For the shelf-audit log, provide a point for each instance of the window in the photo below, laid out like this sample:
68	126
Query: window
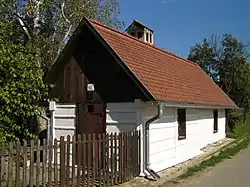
91	109
181	113
90	95
147	37
150	38
215	121
139	34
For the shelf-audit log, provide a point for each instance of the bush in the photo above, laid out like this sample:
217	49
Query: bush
243	128
234	117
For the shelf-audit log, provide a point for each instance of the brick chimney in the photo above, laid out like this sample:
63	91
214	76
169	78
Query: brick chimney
140	31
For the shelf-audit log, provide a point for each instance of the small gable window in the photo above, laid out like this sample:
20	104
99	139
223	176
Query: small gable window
90	95
215	114
91	109
181	114
139	34
147	36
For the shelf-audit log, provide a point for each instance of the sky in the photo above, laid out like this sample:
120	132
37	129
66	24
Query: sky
180	24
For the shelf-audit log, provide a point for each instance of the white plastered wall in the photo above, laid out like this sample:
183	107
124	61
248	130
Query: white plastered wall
121	117
165	148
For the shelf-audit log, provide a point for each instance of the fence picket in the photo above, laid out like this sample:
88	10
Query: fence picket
122	157
84	155
24	163
130	154
93	159
107	139
50	149
44	163
112	159
2	165
99	159
56	163
10	164
38	163
31	166
89	160
18	152
79	142
62	162
103	159
73	159
68	161
116	160
125	156
134	164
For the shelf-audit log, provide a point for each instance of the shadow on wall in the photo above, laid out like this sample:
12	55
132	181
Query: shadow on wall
121	121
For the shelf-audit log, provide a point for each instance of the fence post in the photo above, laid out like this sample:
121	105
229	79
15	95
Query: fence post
51	131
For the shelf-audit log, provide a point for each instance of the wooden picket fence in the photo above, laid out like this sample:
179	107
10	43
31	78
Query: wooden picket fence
85	160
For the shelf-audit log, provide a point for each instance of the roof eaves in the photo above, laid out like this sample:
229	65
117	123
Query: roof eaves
197	105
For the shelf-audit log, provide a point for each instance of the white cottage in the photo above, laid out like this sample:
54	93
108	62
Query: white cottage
175	105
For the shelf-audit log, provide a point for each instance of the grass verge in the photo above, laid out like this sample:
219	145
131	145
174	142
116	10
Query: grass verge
242	135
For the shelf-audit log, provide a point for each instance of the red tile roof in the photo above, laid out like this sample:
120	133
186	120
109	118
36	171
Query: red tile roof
166	76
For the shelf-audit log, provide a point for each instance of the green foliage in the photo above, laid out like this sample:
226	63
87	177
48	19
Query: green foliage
50	23
225	61
31	35
21	85
242	129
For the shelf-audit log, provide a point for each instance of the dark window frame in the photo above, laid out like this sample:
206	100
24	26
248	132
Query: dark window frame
182	129
147	37
215	116
139	34
90	96
90	108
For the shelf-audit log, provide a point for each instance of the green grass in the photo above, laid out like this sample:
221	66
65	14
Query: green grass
243	129
242	136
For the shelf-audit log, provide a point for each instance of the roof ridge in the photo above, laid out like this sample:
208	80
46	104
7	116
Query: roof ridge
149	45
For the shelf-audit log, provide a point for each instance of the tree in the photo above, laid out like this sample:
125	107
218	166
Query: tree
50	23
21	85
225	61
32	34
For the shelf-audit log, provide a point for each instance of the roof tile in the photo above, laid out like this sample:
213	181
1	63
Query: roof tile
166	76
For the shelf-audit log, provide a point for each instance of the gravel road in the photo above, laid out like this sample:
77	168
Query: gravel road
234	172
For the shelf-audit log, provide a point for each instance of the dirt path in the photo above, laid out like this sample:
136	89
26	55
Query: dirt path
234	172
